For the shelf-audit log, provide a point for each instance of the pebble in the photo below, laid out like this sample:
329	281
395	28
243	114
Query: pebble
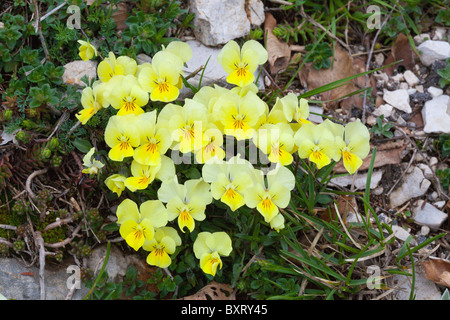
399	99
436	115
435	92
413	185
384	109
75	70
428	215
411	78
432	50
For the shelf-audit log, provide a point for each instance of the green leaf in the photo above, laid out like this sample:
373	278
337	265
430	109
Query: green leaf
83	145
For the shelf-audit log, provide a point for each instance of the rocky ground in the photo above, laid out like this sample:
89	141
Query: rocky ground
405	188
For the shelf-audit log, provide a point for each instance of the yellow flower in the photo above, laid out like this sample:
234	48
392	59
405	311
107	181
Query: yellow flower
112	66
163	244
155	140
122	135
186	124
239	115
294	109
241	64
277	223
116	183
229	180
138	225
87	50
92	101
353	145
143	175
317	143
126	95
277	141
209	247
91	165
213	147
268	196
185	202
161	78
181	49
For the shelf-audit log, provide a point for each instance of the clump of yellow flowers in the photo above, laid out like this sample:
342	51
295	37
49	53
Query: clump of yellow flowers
150	143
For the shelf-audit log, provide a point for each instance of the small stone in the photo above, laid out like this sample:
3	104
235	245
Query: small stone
76	70
428	215
402	234
439	34
313	117
432	50
424	289
371	120
359	180
435	92
413	185
439	204
433	161
384	109
427	172
256	10
399	99
424	231
421	38
411	78
217	22
379	59
404	85
436	115
419	88
398	77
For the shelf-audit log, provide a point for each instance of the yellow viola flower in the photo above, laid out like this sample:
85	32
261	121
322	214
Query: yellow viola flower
317	143
293	109
112	66
181	49
213	147
92	101
155	140
241	64
122	136
163	244
161	78
126	95
186	124
276	141
143	175
354	145
86	50
138	224
209	247
270	192
116	183
229	180
239	115
185	202
277	223
91	165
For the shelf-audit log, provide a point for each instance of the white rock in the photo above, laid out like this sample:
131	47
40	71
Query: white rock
404	85
217	22
76	70
425	230
413	185
257	14
379	59
313	117
358	180
384	109
421	38
419	88
432	50
398	77
402	234
435	92
412	91
411	78
427	172
399	99
439	204
439	34
428	215
436	115
424	289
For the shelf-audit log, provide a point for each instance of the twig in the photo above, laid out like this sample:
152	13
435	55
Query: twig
6	242
40	244
7	227
30	178
65	241
369	58
58	223
52	11
38	30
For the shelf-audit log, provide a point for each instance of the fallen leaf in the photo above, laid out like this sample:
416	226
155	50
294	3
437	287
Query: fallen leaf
212	291
279	52
345	204
343	66
438	271
120	15
401	50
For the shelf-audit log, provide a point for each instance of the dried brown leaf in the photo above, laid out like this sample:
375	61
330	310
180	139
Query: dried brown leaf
212	291
279	52
401	50
438	271
342	67
120	15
